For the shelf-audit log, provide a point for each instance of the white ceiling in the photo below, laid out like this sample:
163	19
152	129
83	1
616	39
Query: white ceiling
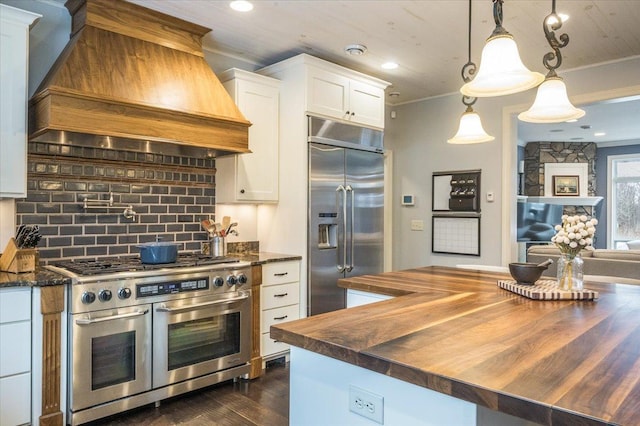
427	38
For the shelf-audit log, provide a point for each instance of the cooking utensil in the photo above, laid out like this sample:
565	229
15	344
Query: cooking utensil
527	273
208	226
158	252
20	235
27	236
226	220
217	228
229	226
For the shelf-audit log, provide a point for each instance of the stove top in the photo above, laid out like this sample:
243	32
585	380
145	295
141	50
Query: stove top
131	264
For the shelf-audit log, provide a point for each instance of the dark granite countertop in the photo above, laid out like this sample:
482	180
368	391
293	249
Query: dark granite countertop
43	277
263	257
40	278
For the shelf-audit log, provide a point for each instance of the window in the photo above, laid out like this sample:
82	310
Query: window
623	200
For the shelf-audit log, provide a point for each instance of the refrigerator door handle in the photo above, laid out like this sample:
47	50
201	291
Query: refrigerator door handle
352	262
343	266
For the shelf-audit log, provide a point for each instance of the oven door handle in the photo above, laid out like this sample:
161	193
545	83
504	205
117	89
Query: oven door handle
87	321
163	308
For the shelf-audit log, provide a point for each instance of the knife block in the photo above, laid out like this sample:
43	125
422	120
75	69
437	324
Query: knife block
18	260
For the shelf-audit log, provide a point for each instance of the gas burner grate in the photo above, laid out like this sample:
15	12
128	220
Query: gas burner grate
132	264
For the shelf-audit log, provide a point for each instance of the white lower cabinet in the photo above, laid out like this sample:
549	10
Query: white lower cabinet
15	356
359	298
280	302
15	400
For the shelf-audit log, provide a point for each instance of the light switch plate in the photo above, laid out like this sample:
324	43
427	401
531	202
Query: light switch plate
417	225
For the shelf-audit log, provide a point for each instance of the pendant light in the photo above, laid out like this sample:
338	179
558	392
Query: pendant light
552	104
501	70
470	129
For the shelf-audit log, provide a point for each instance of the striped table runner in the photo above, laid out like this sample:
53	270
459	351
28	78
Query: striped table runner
546	290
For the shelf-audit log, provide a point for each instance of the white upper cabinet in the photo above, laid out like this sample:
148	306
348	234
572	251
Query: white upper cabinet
334	93
14	55
249	178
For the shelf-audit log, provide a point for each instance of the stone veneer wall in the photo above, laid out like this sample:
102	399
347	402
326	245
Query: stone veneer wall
536	154
170	194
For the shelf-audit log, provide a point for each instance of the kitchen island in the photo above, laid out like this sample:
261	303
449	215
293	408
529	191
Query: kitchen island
451	340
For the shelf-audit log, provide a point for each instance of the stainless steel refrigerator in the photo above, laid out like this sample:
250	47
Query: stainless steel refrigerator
346	209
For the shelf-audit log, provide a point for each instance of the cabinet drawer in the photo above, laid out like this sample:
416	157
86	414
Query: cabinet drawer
15	305
280	272
279	315
270	346
15	348
277	296
15	404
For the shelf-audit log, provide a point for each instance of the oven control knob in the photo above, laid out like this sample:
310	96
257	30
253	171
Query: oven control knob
88	297
242	279
104	295
218	282
124	293
232	280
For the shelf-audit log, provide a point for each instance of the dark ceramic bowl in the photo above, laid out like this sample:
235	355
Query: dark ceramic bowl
526	273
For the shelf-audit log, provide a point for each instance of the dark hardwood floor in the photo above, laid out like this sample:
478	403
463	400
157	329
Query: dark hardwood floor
262	401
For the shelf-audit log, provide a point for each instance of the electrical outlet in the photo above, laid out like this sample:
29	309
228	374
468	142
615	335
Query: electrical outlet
417	225
366	404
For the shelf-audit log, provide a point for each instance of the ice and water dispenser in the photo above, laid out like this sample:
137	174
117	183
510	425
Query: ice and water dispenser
327	235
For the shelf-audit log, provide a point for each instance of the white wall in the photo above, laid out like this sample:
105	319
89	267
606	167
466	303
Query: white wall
328	402
418	138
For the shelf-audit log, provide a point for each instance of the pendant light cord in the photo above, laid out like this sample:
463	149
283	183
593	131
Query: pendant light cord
469	69
469	32
551	24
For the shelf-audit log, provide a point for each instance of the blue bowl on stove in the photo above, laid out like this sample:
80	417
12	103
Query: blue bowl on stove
158	252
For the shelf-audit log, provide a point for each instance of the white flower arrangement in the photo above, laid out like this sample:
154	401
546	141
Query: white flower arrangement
575	233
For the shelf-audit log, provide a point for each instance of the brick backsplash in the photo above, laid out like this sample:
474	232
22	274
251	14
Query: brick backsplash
170	195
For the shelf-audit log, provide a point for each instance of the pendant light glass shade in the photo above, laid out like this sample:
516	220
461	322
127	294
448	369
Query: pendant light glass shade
501	71
552	104
470	130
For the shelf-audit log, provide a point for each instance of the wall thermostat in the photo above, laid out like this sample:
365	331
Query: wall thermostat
408	200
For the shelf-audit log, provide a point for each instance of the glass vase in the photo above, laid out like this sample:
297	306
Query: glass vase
570	275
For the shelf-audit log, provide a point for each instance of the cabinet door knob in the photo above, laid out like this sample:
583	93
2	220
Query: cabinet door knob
242	191
353	113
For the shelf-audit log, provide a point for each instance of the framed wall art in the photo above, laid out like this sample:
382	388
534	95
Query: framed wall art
566	185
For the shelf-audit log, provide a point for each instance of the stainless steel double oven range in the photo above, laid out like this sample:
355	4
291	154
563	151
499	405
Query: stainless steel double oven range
138	333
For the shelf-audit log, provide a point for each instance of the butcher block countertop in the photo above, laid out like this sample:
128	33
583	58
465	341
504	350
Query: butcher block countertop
456	332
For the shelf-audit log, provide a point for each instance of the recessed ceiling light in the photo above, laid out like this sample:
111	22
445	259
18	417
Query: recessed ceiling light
389	66
556	130
241	6
585	126
576	139
599	134
394	94
355	49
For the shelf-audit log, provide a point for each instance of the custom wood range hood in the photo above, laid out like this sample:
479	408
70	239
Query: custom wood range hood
135	79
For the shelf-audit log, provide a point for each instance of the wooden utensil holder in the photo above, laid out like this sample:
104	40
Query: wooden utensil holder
18	260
